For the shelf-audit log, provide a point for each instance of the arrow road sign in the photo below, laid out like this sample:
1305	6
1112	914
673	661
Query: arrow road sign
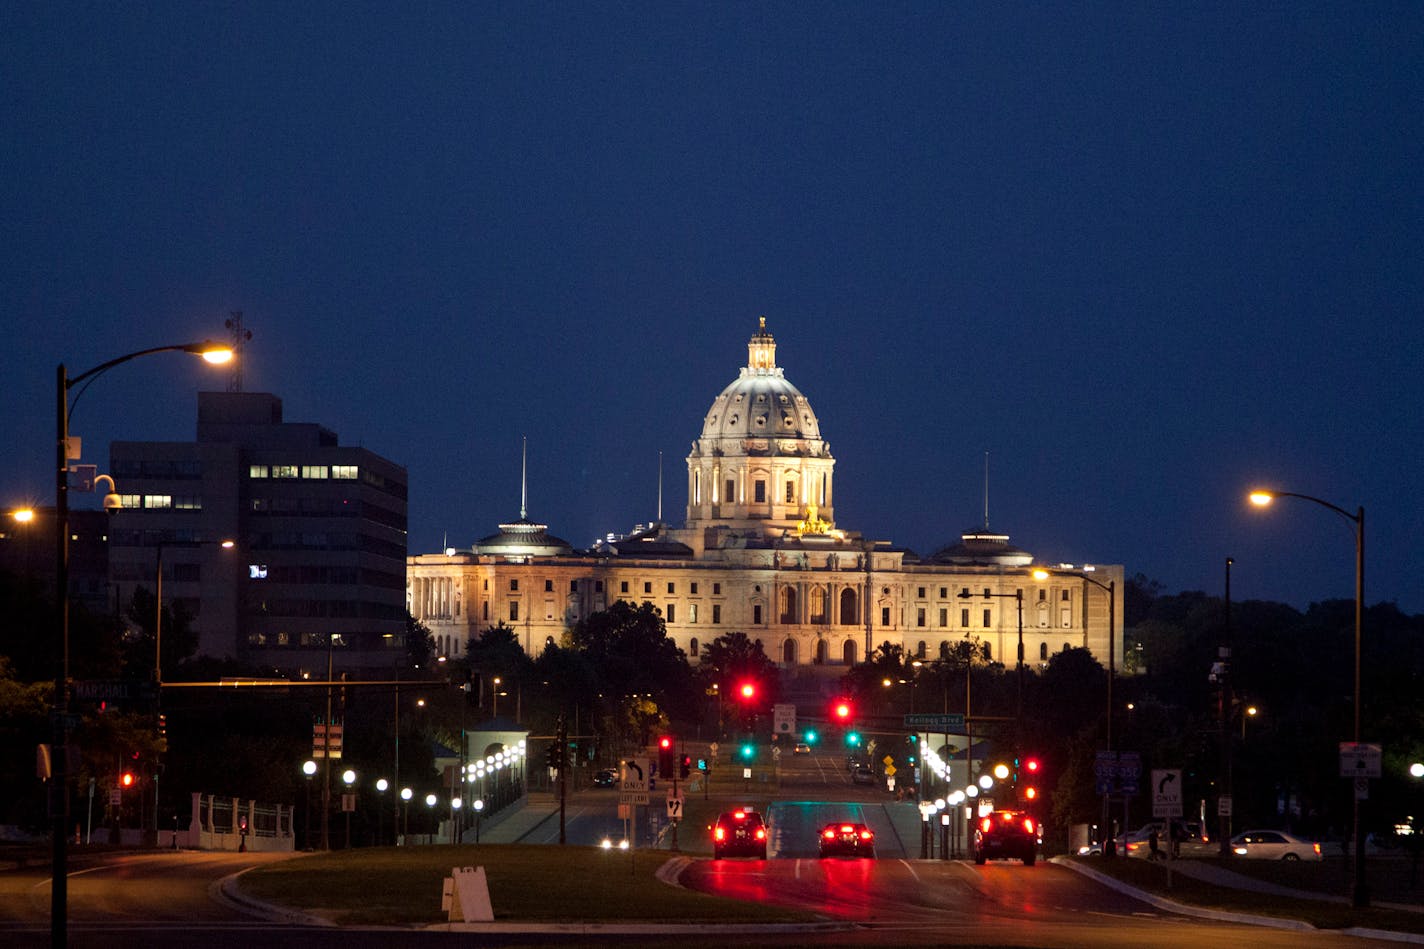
1167	792
634	776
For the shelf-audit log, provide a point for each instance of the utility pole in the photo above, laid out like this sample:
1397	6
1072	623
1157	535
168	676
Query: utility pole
561	735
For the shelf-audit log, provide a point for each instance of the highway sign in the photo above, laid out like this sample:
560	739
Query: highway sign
934	722
1359	760
1167	792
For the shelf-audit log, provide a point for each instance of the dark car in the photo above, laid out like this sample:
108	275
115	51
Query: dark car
862	775
1010	835
847	840
606	778
739	834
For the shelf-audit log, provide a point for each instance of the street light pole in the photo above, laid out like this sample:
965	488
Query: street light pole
60	716
1110	588
1359	891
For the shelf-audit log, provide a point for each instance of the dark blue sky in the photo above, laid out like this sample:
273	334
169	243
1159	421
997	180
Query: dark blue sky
1145	258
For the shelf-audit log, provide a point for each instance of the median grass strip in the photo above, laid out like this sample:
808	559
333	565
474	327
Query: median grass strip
1152	877
401	886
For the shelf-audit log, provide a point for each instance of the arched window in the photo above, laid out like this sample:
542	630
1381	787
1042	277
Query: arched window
788	652
788	605
821	650
818	606
943	649
988	653
692	648
920	650
1043	650
850	613
697	487
848	654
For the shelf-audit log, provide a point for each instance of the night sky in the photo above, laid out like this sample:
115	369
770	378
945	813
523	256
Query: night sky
1145	258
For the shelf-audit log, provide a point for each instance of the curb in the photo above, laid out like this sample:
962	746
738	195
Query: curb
227	892
1183	909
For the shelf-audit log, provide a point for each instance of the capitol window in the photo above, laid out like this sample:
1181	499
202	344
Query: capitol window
759	492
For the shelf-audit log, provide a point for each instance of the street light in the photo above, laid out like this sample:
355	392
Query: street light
1360	893
348	777
215	353
382	786
405	796
1017	597
308	769
1110	588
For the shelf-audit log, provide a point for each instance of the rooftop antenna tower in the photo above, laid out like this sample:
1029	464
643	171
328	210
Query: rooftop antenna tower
523	477
660	487
986	492
239	337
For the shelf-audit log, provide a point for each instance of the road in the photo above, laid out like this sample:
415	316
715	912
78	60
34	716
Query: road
166	899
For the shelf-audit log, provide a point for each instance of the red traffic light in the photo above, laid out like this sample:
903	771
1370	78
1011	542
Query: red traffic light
747	690
842	710
665	742
126	779
1031	765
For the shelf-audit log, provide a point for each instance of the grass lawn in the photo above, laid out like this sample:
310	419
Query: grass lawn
401	886
1321	877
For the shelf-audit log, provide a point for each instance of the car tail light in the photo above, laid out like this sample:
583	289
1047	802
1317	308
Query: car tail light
739	815
1317	849
829	834
761	833
847	828
1028	824
866	835
720	833
986	824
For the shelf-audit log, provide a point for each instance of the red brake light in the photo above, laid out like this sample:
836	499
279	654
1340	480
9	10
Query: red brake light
1317	849
866	835
1028	824
829	833
761	833
847	828
739	815
986	824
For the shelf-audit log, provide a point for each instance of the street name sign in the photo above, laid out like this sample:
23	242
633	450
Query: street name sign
934	722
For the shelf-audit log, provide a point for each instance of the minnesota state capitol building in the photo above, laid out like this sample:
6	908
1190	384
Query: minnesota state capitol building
760	552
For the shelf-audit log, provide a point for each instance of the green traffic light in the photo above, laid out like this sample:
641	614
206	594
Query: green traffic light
748	751
810	737
852	739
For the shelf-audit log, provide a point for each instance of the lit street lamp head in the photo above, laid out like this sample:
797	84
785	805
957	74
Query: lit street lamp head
1262	498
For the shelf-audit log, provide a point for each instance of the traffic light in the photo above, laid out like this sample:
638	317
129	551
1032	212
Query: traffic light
853	739
748	751
810	736
126	780
747	690
666	756
685	768
553	757
162	726
842	711
1032	771
914	742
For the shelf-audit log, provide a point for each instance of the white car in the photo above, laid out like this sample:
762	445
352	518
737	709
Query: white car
802	748
1273	845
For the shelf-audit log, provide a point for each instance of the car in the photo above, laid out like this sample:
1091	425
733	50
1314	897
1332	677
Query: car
605	778
1011	835
1273	845
1192	841
841	839
739	833
862	775
802	748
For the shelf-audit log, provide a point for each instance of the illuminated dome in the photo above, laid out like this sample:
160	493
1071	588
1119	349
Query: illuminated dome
760	464
760	403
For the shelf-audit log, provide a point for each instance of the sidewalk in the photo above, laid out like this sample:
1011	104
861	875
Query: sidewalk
538	807
1220	876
